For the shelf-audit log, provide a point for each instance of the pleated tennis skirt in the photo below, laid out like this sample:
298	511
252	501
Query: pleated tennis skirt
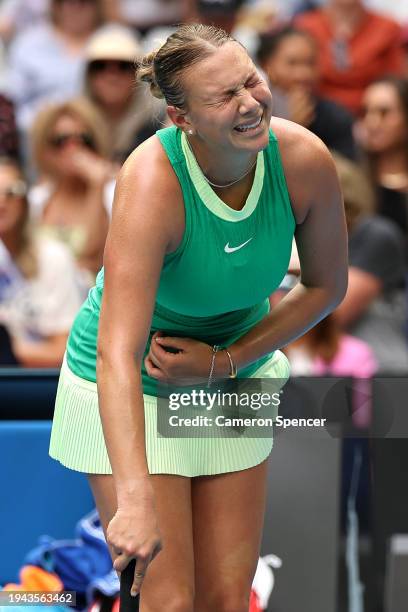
78	443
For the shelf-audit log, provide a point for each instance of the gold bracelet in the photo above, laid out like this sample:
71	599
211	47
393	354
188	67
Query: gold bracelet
233	373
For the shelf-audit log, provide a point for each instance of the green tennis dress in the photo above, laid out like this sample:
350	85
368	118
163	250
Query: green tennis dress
214	287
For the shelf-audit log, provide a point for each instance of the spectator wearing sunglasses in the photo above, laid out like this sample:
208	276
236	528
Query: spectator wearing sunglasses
73	198
110	85
46	60
39	295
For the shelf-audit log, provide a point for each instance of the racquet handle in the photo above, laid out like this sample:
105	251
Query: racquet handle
127	602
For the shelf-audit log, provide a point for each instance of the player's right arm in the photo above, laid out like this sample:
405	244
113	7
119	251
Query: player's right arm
145	225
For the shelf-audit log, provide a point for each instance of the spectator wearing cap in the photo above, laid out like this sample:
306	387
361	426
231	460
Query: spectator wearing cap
110	86
356	46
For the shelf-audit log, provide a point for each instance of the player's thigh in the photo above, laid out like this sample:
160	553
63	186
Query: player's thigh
169	580
228	515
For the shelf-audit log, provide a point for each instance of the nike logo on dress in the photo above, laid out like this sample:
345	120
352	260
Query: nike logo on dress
229	249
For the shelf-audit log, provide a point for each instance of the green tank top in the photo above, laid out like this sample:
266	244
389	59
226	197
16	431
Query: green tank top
214	287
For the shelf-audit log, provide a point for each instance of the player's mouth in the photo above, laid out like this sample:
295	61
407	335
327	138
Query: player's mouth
249	127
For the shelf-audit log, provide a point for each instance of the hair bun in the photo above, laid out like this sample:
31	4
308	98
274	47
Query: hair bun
145	72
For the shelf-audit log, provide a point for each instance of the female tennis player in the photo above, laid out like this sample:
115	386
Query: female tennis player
201	234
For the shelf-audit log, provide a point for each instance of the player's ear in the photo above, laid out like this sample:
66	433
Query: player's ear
180	119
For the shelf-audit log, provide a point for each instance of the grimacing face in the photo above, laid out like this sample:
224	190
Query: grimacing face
229	104
384	124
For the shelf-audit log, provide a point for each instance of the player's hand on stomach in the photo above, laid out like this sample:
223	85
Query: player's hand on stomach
181	361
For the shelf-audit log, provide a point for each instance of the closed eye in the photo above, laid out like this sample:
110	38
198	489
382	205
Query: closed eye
254	83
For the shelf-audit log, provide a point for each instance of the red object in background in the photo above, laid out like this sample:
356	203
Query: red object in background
254	603
373	50
105	604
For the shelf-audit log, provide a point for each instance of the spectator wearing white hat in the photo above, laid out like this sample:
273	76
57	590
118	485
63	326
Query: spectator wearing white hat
110	85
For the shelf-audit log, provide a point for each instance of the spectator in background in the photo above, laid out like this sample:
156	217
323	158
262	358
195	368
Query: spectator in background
375	307
17	15
290	59
46	61
222	13
110	85
356	46
397	10
405	47
383	132
147	14
73	200
9	142
39	296
326	349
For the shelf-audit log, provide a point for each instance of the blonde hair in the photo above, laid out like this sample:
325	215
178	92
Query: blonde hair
79	108
163	68
26	259
358	195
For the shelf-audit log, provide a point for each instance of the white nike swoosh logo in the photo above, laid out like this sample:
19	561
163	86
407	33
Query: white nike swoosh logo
229	249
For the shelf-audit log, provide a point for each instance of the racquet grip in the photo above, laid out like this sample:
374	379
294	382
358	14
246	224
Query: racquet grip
127	602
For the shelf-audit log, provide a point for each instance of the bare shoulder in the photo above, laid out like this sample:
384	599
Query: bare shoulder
149	168
307	163
148	187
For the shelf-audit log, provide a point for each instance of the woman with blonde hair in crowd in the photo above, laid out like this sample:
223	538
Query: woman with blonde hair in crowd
74	195
39	296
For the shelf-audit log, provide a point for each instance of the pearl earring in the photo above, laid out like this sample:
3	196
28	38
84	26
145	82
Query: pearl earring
190	132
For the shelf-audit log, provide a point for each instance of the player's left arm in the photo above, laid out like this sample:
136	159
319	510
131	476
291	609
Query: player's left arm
321	240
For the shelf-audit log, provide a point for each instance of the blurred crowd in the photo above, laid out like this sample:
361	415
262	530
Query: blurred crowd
70	114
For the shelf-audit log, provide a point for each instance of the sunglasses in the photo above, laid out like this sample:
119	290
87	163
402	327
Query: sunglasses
102	65
15	191
59	141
